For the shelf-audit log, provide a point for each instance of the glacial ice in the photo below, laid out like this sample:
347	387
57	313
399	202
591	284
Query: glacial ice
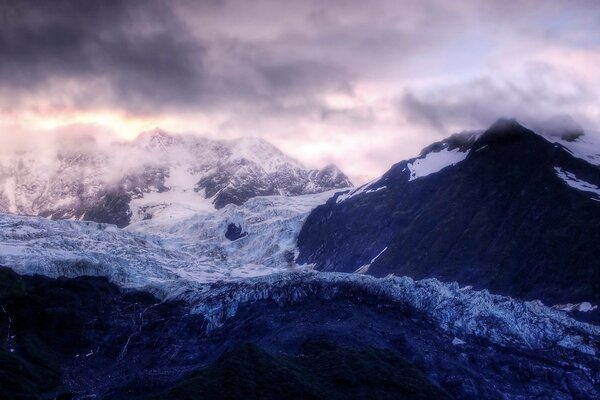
176	243
463	313
190	259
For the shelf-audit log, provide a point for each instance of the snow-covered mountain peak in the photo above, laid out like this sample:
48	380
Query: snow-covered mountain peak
120	182
261	153
155	139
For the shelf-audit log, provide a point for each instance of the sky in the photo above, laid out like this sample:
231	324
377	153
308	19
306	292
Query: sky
362	84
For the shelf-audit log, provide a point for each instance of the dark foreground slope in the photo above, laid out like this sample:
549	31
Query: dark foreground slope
502	219
321	370
86	338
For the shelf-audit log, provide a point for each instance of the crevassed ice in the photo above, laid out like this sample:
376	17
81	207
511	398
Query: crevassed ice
179	242
464	313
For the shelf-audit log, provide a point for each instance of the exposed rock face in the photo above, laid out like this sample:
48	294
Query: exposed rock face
98	183
506	210
234	232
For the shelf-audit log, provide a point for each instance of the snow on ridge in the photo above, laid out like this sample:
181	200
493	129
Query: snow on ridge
583	147
464	313
570	179
366	189
585	306
365	268
377	256
434	162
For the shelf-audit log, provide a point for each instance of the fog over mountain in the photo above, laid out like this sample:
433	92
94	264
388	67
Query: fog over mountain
81	177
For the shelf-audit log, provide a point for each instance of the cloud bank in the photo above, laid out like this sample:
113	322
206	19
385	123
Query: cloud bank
361	84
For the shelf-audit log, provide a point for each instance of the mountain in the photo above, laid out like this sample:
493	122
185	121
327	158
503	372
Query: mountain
117	183
200	296
506	209
302	335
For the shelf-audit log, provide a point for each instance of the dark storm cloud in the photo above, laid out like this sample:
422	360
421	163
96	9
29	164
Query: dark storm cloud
150	56
142	56
132	49
539	95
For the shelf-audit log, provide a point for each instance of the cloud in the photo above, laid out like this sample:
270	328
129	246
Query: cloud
156	56
98	52
537	93
362	84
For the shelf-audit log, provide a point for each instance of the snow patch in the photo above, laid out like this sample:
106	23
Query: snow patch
457	342
377	256
376	190
363	270
584	147
582	307
435	162
366	189
570	179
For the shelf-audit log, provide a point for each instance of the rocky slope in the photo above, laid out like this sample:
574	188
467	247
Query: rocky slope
84	337
114	183
506	209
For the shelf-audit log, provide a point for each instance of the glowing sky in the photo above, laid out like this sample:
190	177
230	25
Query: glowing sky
362	84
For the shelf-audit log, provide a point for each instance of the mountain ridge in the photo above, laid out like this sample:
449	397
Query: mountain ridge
516	214
97	183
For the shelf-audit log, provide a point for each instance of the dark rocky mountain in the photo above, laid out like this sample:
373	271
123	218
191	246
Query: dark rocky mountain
89	181
86	338
506	209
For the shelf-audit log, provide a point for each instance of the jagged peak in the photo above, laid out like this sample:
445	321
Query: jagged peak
461	141
156	138
504	126
155	132
332	173
330	167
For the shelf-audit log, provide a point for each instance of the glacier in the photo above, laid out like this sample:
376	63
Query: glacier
466	313
191	260
176	243
176	248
